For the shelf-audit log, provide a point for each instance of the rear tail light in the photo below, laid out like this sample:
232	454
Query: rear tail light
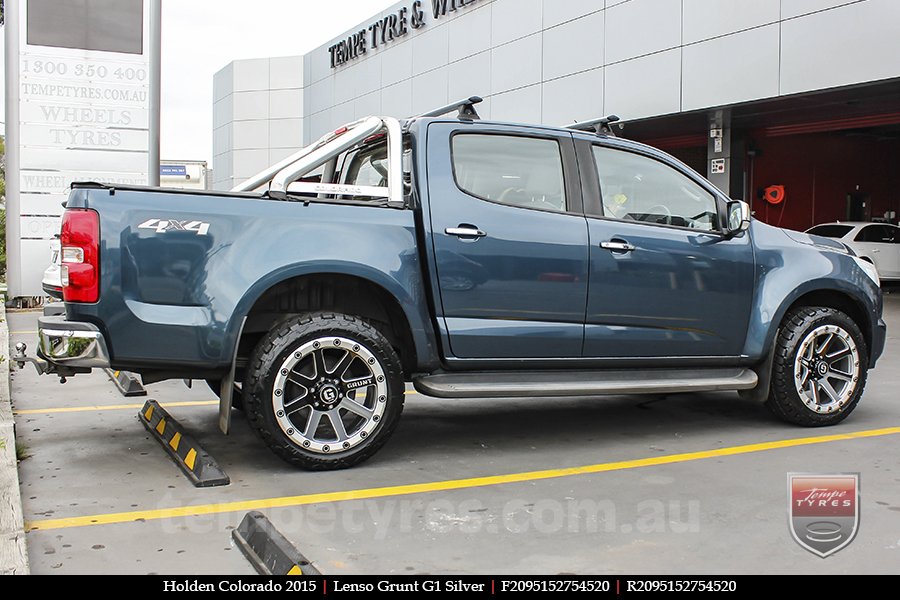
80	268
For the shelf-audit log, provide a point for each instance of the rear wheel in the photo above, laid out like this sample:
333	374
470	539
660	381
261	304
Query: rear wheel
324	391
820	367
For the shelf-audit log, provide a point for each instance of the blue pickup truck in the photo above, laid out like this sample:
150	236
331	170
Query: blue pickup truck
474	259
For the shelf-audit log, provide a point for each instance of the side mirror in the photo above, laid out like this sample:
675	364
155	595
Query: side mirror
738	214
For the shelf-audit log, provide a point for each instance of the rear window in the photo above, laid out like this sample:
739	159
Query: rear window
518	171
831	231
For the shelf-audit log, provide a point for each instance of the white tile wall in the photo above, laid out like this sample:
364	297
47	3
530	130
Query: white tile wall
557	61
851	44
519	106
795	8
223	82
368	105
396	62
248	163
471	33
560	11
704	19
286	72
250	75
397	99
285	133
429	91
250	135
640	27
574	98
645	86
723	71
251	105
286	104
513	19
431	49
470	77
574	46
517	64
320	96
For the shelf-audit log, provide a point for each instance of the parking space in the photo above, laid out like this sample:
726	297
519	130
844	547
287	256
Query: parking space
684	484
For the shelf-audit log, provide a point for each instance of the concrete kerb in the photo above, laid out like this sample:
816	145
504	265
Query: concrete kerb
13	554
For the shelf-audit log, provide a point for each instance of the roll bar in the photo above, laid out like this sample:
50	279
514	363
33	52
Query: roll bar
284	176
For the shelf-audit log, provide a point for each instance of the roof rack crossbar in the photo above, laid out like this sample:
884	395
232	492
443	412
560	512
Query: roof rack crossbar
599	126
465	107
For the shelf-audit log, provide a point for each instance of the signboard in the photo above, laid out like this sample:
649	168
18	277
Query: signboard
78	109
173	171
392	27
718	166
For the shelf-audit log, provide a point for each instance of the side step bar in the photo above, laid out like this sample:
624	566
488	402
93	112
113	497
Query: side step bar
583	383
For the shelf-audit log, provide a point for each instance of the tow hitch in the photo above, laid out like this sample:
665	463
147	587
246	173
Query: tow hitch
44	367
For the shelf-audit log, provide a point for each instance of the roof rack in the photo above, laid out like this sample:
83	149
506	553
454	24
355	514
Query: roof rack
465	107
599	126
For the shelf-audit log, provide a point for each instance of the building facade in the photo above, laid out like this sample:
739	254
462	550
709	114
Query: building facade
791	104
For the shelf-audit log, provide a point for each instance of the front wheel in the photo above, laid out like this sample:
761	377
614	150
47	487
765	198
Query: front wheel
820	367
324	391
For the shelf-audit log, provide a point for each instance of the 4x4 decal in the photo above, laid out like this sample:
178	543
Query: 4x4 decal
165	225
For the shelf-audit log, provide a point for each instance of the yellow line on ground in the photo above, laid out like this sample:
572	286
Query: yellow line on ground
440	486
101	407
77	409
23	332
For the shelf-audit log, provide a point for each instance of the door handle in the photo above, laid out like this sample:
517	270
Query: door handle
465	231
618	246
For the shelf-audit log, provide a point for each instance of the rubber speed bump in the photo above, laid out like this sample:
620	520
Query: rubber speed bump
196	463
127	383
268	551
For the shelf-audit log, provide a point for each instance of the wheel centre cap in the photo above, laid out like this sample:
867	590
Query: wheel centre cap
329	394
822	369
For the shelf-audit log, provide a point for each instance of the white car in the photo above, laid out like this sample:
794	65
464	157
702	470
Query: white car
52	282
878	243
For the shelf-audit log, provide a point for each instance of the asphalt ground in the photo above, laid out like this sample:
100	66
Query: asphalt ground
686	484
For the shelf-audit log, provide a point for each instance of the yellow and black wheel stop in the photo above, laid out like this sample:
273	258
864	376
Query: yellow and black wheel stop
197	464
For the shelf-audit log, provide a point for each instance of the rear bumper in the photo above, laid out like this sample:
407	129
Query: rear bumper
71	343
878	340
52	291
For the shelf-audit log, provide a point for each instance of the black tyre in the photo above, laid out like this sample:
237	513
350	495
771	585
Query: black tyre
324	391
820	367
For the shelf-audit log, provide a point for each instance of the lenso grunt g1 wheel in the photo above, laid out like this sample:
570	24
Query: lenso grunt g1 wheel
324	391
820	367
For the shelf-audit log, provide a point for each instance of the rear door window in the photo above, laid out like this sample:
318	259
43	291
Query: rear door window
883	234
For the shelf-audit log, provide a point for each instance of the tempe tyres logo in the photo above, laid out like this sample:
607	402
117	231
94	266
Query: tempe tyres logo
824	511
